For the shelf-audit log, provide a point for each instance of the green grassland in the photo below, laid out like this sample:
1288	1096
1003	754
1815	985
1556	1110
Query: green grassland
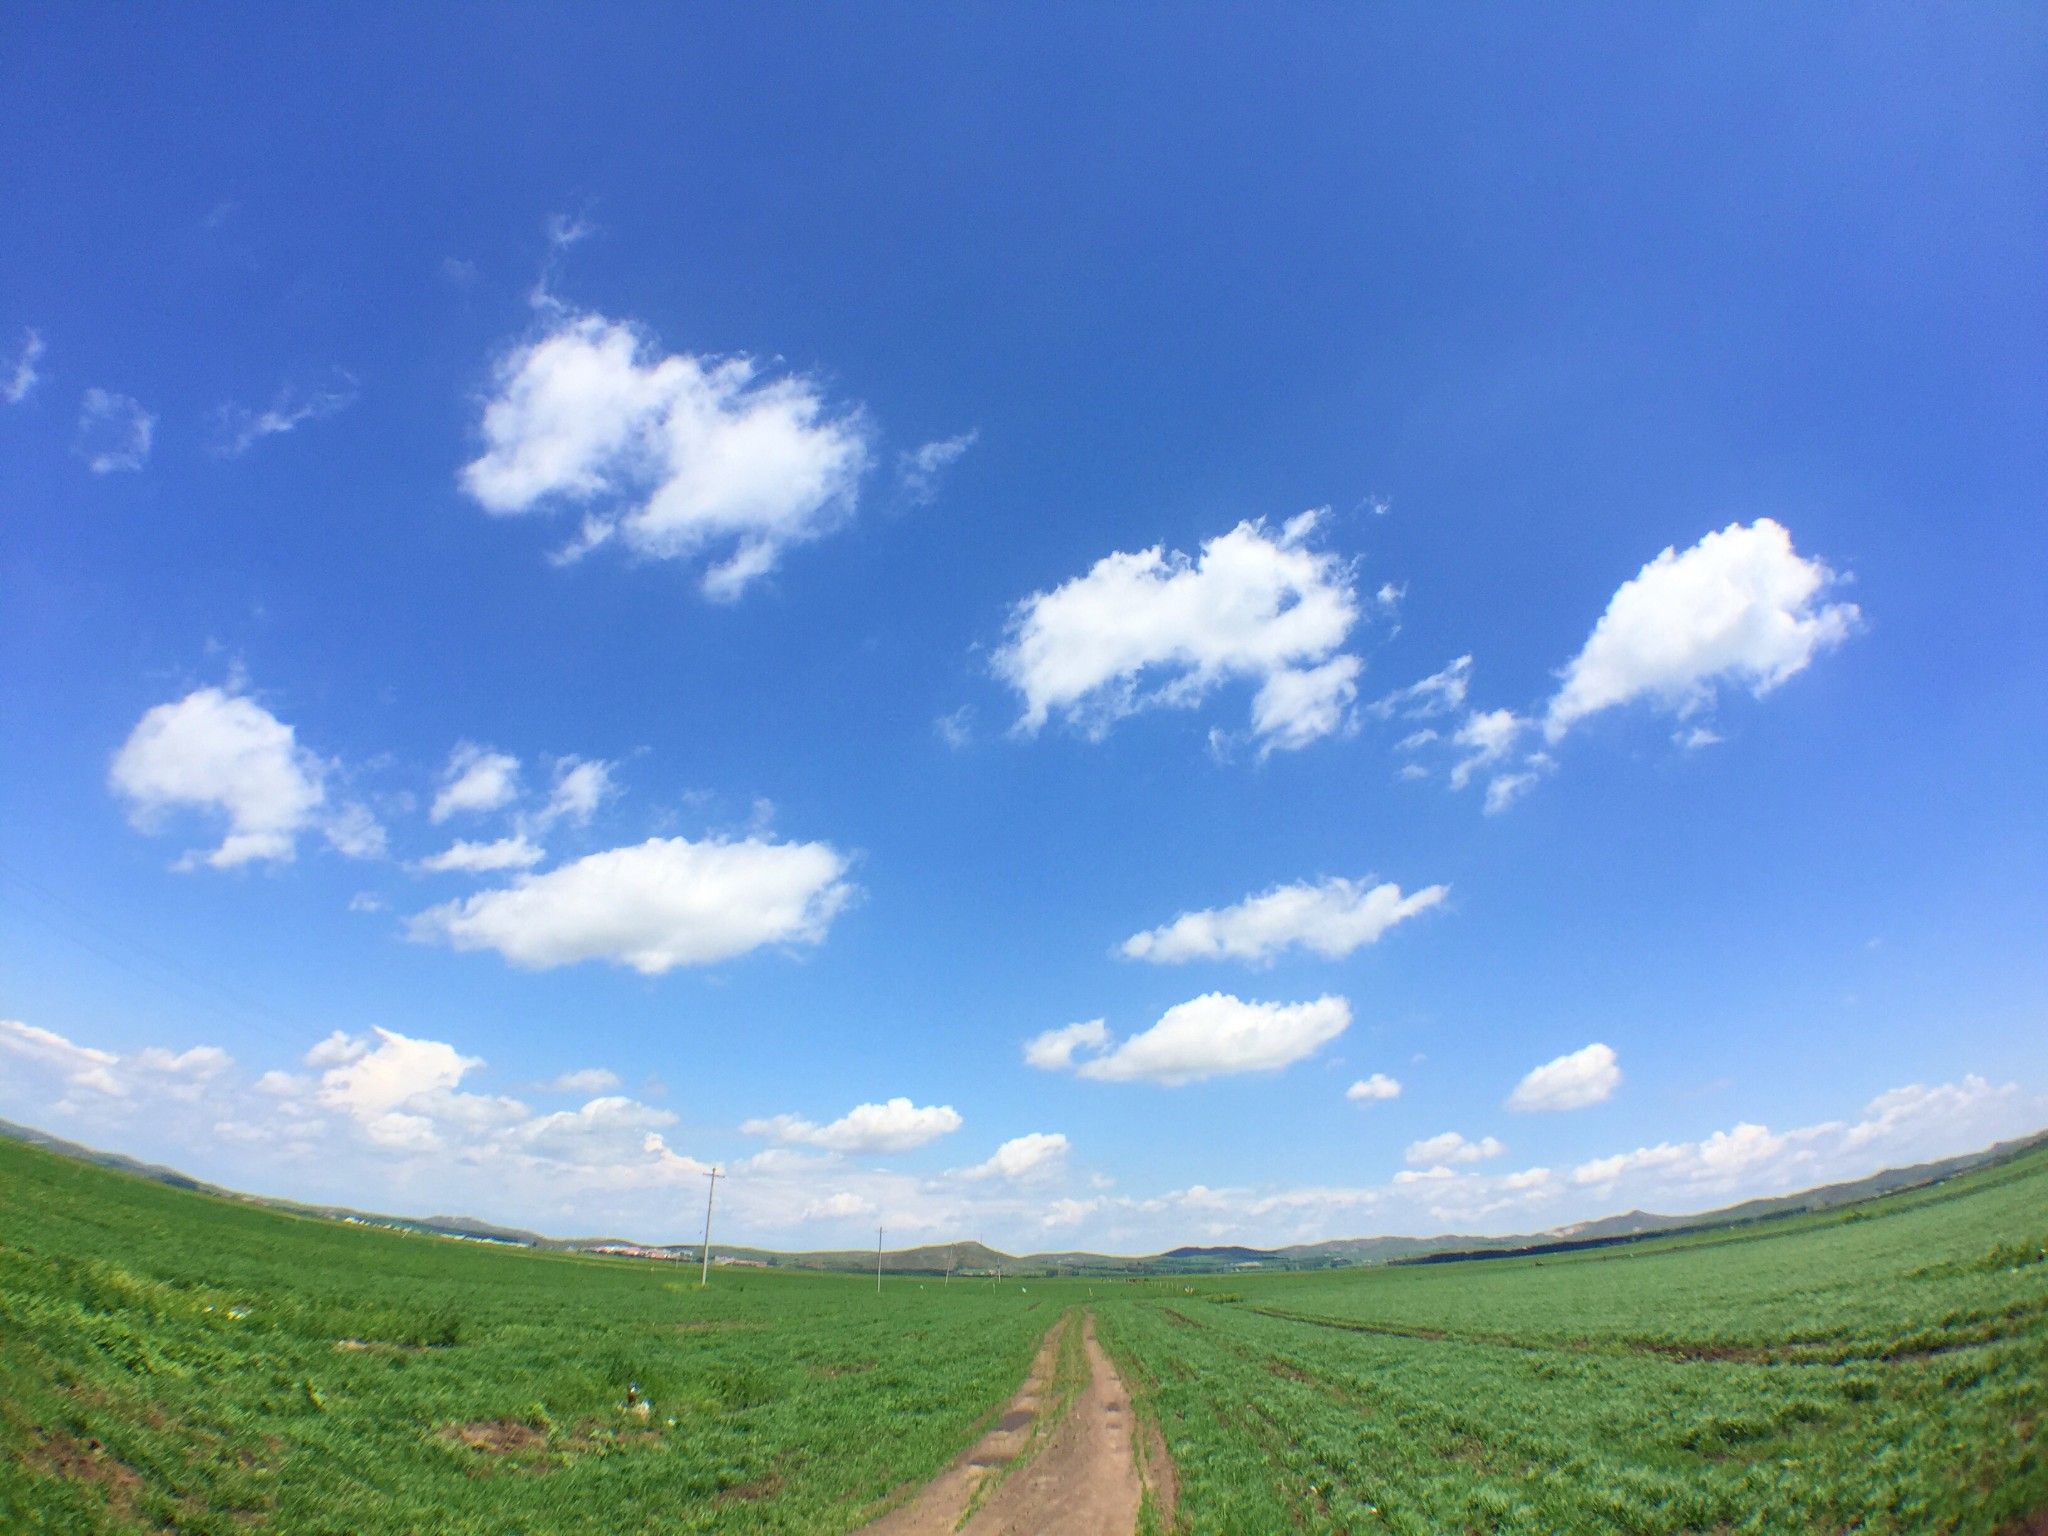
175	1361
1879	1368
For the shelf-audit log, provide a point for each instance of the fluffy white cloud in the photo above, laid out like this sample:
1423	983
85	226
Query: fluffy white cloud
584	1080
242	429
178	1075
1918	1116
1152	629
1053	1051
476	779
1023	1157
473	858
1374	1089
22	376
919	468
1573	1081
1215	1035
654	905
1332	917
80	1066
1741	605
114	432
676	454
219	751
375	1079
895	1126
1451	1147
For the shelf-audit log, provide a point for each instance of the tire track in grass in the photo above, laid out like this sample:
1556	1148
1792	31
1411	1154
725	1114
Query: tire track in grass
1073	1473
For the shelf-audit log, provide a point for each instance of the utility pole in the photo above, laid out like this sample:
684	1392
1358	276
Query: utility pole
878	1261
710	1195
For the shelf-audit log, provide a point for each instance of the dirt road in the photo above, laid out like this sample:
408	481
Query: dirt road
1077	1476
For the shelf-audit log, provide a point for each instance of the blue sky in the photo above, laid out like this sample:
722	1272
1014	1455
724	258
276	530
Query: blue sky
706	575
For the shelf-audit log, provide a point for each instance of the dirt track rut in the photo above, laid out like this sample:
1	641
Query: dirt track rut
1080	1478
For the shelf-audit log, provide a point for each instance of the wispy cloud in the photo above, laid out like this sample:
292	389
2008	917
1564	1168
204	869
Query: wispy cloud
918	469
22	376
114	432
242	428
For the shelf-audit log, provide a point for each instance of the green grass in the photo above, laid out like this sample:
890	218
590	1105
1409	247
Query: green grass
172	1361
1880	1368
209	1350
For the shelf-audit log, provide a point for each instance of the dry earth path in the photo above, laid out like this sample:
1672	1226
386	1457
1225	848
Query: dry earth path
1078	1476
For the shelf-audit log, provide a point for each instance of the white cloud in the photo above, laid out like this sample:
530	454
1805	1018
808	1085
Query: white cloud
1451	1147
375	1079
676	455
956	730
22	377
1741	606
896	1126
1504	789
1485	737
584	1080
81	1066
839	1207
338	1048
1374	1089
1573	1081
152	1071
1054	1050
654	906
919	468
1215	1035
114	432
1919	1115
219	751
1023	1157
242	429
1150	629
1441	693
472	858
354	832
477	779
382	1121
1332	917
582	785
1298	705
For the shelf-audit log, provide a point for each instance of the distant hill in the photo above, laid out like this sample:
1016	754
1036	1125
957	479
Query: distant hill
969	1258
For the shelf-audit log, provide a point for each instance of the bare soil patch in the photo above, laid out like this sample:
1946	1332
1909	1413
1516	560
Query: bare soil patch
496	1437
87	1461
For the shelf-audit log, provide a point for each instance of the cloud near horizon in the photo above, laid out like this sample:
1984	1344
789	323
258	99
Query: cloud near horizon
895	1126
387	1119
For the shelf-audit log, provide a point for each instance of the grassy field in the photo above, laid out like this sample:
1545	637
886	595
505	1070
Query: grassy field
170	1361
1882	1368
